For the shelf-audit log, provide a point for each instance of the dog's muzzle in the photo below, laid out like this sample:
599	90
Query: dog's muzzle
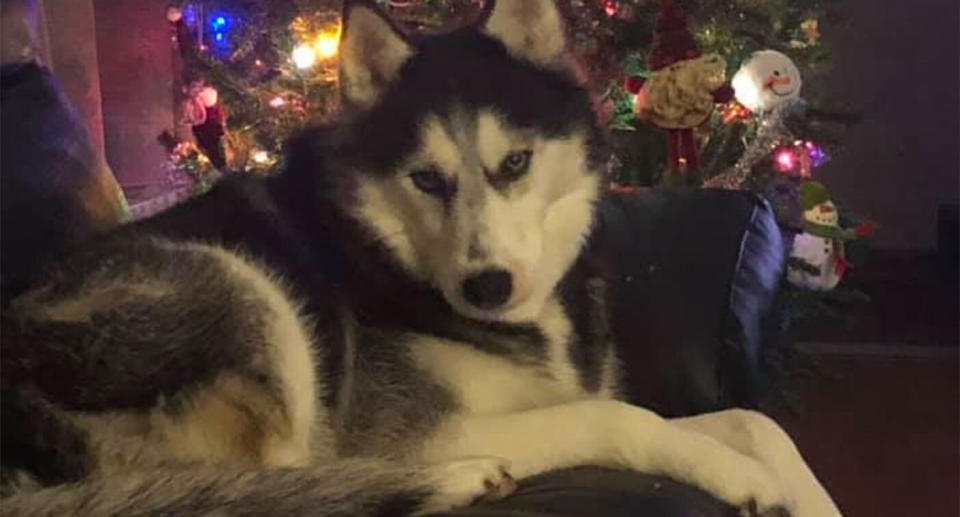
488	289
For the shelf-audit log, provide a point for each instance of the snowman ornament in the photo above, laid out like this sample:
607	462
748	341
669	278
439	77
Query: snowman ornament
766	80
817	260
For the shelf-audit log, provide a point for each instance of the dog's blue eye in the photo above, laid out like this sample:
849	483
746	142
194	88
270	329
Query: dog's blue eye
429	181
515	164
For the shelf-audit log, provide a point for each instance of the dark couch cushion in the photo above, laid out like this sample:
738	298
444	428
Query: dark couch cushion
601	492
55	189
691	274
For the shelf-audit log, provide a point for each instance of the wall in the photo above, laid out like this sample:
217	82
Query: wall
68	40
897	61
134	48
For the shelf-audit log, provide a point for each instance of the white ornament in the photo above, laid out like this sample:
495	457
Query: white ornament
821	254
174	14
766	79
208	96
304	56
261	157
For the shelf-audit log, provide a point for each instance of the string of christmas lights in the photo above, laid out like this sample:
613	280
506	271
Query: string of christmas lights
264	70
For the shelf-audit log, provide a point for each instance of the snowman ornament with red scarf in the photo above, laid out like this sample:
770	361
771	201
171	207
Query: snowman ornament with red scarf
818	259
765	80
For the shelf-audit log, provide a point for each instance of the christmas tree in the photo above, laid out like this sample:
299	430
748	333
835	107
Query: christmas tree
252	73
273	65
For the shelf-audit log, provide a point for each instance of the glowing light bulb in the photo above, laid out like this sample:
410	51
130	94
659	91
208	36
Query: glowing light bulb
816	153
785	160
304	56
327	44
260	156
277	102
610	7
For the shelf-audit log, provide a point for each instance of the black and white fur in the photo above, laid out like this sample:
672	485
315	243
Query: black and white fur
304	344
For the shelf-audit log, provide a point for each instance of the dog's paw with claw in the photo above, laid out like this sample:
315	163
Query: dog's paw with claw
463	482
747	485
753	510
762	494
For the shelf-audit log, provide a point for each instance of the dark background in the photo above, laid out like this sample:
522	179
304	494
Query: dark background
897	62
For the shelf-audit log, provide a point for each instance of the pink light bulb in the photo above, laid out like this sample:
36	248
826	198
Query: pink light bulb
785	160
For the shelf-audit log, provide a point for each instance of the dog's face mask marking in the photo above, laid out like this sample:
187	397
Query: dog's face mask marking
490	215
488	203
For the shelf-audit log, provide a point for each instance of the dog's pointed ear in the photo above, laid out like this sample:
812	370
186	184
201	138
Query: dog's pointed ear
530	29
371	53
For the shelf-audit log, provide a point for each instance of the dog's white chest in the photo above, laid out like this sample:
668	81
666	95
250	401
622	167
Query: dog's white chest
488	383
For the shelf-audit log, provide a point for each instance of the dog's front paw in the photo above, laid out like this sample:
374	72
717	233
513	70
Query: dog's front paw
756	492
463	482
752	509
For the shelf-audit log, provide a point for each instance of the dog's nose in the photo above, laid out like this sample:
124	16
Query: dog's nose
488	289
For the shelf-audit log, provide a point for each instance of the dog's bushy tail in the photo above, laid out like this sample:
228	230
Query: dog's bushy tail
35	439
343	487
37	442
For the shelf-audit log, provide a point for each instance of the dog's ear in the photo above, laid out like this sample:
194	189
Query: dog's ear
530	29
371	54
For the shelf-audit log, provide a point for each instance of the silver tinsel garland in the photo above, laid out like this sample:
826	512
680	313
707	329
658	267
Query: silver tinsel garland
772	132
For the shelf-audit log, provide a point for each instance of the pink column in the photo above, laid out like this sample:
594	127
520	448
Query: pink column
136	76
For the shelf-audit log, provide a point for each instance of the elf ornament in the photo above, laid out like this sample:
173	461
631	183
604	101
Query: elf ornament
681	91
182	35
765	80
201	110
817	259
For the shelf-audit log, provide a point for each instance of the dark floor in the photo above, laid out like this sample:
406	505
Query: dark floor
914	300
880	424
883	437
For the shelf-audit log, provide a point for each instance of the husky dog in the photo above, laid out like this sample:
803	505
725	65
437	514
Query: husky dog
403	320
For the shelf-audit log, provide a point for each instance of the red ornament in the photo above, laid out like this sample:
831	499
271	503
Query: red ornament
866	229
633	84
794	160
733	110
723	94
672	43
842	264
610	7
